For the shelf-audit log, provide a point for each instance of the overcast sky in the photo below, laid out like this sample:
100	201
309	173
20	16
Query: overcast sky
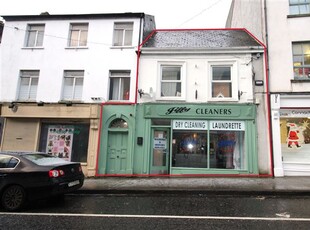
169	14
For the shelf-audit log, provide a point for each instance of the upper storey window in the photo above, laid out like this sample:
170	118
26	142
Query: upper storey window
172	81
301	59
123	34
28	85
299	7
119	85
223	81
78	35
73	84
34	35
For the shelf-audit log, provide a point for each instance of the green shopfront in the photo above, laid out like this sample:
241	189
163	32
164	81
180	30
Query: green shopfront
178	139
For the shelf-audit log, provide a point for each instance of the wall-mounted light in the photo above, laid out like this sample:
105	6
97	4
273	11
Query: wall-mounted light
142	93
13	107
259	82
40	103
68	103
239	94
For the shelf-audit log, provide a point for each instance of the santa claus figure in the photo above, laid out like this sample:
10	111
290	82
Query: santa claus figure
293	135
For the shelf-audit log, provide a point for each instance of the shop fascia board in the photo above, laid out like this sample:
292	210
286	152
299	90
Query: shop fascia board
83	111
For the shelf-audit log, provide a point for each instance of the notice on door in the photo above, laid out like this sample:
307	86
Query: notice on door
160	143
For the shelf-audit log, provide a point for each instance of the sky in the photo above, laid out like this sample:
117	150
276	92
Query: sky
169	14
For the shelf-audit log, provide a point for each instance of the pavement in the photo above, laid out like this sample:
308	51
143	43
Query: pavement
224	186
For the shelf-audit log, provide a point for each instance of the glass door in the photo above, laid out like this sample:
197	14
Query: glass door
160	151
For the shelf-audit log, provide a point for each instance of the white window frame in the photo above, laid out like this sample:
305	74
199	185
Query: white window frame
29	94
75	75
80	31
38	31
182	80
123	28
302	57
121	75
233	80
298	4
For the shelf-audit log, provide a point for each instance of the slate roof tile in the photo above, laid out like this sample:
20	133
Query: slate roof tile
200	39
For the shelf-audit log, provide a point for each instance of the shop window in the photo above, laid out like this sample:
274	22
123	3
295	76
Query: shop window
299	7
209	144
172	81
67	141
295	135
73	85
34	35
223	80
28	85
123	32
227	149
119	85
78	35
301	59
190	149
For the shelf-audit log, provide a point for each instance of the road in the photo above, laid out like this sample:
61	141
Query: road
163	211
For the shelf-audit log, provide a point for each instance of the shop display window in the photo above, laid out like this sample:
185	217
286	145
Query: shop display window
295	137
67	141
213	145
227	149
189	149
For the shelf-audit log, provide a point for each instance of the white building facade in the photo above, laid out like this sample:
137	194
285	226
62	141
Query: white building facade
283	26
57	70
202	102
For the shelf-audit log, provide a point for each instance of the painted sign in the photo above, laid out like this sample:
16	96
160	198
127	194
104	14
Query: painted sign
200	111
190	124
295	113
227	125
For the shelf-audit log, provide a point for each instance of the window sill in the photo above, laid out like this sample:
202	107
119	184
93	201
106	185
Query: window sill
76	47
298	15
122	47
69	102
300	80
33	48
26	101
170	99
223	100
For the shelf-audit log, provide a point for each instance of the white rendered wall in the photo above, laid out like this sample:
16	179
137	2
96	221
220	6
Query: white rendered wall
249	14
197	76
282	31
96	60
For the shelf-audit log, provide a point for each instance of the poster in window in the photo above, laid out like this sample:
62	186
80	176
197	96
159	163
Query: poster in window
295	135
59	141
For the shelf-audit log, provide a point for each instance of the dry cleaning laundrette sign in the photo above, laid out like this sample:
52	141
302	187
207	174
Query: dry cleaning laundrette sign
203	125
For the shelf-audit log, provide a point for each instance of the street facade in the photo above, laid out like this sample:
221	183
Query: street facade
126	99
282	26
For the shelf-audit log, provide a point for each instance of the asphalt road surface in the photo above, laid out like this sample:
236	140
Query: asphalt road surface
163	211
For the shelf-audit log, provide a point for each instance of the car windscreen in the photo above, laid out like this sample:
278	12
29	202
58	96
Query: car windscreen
44	159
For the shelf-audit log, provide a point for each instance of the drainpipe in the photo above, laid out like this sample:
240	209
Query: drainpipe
268	92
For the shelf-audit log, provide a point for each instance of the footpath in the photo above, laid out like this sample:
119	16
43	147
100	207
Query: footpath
225	186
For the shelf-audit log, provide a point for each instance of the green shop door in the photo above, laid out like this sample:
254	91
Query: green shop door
160	151
117	152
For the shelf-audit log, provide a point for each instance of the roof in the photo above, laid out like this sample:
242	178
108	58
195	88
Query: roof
47	16
200	38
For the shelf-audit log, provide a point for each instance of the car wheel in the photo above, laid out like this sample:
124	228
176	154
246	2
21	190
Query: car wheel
13	198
